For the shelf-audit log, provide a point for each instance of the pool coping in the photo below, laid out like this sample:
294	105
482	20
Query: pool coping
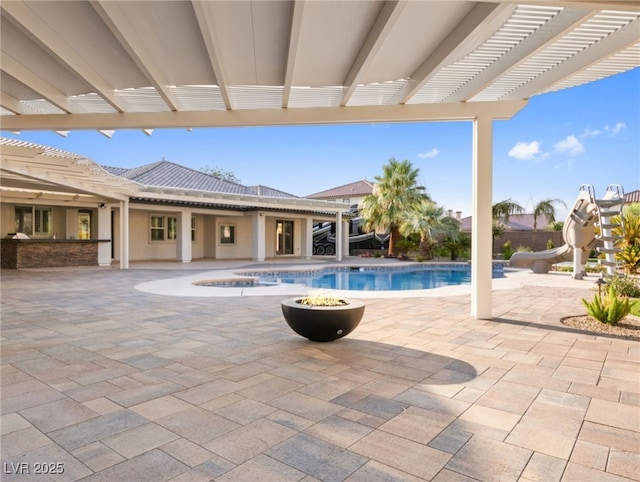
184	285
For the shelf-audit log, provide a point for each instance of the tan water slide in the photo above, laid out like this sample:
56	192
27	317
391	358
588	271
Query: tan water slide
578	234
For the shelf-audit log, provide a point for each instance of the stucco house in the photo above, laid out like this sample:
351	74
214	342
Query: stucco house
65	203
352	193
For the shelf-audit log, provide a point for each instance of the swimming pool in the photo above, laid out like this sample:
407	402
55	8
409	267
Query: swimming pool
417	277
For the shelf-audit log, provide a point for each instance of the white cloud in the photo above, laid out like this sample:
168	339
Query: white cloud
432	153
525	151
615	129
590	133
571	145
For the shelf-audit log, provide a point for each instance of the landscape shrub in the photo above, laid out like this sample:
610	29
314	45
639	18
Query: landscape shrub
625	285
629	256
609	309
507	250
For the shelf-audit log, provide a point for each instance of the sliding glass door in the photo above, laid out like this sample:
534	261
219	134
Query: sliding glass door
284	237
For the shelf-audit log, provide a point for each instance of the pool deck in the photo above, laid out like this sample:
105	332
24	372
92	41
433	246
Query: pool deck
133	375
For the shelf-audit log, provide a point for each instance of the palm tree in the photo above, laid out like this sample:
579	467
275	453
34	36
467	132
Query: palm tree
504	209
546	208
501	212
425	219
396	192
454	239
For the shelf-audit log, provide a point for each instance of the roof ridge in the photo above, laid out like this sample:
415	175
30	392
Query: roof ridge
365	181
272	189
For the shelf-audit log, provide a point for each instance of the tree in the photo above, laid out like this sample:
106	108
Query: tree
396	192
425	220
454	239
556	226
220	174
546	208
628	231
503	209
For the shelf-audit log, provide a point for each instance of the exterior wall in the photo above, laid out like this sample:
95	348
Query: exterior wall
208	233
270	241
141	248
243	237
140	245
197	246
64	220
525	238
348	200
270	226
7	221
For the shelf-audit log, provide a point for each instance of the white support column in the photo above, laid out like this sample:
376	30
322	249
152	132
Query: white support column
339	240
259	238
306	238
124	234
104	232
183	240
481	239
345	239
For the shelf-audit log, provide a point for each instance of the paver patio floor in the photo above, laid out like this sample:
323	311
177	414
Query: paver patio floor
106	382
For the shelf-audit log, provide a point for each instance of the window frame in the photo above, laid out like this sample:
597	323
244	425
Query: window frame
160	228
41	223
229	240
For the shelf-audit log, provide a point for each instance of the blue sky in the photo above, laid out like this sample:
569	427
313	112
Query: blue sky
584	135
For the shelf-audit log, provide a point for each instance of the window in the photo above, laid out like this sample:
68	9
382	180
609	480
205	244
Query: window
165	228
172	228
84	224
33	220
157	228
227	234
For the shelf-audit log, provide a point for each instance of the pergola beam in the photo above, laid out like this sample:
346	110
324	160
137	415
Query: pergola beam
14	105
268	117
292	54
37	28
479	24
537	41
35	82
128	35
623	38
205	19
383	25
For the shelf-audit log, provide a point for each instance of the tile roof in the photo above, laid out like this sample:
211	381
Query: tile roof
172	175
260	190
358	188
632	197
517	222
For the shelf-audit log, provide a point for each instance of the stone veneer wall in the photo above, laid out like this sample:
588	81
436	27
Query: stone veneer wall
19	254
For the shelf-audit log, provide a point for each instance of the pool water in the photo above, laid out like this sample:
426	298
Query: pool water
378	280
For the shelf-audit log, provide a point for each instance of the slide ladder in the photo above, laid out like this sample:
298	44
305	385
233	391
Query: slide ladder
609	207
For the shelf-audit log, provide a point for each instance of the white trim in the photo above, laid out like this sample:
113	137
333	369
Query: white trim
267	117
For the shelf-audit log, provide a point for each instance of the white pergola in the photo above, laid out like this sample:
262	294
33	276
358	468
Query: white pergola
109	65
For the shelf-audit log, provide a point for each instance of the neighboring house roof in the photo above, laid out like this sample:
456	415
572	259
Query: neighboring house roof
632	197
354	189
169	174
517	222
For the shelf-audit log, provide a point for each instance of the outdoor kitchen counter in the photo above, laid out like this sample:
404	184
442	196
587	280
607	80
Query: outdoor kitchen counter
49	253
